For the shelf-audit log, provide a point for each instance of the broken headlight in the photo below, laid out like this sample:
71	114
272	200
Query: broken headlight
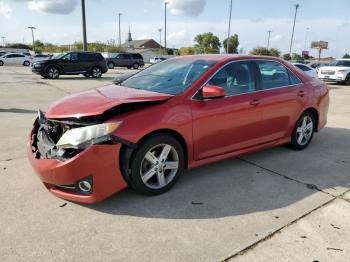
83	137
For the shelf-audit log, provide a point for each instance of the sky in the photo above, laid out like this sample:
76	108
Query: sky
59	21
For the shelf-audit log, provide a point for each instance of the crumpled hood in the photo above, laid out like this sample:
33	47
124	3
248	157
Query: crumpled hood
334	68
96	102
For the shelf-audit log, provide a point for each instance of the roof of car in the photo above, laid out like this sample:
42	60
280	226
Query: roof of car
224	57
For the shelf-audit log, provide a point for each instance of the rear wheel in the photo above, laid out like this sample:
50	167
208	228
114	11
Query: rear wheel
110	65
52	72
96	72
1	63
156	165
135	66
303	131
26	63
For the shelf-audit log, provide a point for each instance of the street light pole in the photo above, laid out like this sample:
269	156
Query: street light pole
120	38
165	4
268	38
229	28
32	28
84	24
3	40
291	40
160	36
306	34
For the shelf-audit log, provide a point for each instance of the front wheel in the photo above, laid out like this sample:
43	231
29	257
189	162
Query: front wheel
303	131
52	72
96	72
347	80
156	165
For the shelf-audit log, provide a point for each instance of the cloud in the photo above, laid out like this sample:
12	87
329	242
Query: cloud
5	10
186	7
53	6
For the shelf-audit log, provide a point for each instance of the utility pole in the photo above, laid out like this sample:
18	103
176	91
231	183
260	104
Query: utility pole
3	40
120	38
165	4
268	38
306	34
229	29
291	40
32	28
160	36
84	24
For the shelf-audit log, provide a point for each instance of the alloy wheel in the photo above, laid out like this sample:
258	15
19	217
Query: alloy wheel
304	130
96	72
53	72
159	166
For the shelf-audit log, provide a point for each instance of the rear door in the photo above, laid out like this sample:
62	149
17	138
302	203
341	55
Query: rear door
230	123
284	98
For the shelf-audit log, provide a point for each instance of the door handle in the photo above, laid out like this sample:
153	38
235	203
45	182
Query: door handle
255	102
301	93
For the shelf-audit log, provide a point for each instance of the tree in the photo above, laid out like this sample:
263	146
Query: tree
275	52
207	43
286	57
346	55
187	51
296	56
260	51
232	44
18	45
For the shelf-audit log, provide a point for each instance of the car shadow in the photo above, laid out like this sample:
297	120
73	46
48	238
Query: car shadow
17	110
242	185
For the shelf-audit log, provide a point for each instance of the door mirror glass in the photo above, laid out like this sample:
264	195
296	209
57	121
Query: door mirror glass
212	91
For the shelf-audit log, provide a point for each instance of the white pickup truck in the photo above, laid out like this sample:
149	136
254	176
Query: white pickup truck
337	71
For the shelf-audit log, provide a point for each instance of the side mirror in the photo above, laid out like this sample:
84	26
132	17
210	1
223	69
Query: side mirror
211	91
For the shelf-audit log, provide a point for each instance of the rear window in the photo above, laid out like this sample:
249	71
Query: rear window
90	57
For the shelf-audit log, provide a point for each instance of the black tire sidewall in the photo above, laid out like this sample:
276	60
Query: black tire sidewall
135	177
294	143
347	80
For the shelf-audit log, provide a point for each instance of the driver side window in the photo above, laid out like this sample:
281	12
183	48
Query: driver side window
236	78
70	57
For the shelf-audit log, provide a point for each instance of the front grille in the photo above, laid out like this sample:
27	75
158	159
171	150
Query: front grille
327	72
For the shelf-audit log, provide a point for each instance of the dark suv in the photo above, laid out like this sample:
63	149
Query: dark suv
128	60
72	63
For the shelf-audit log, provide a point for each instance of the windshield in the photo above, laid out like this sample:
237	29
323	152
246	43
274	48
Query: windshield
171	76
340	63
59	56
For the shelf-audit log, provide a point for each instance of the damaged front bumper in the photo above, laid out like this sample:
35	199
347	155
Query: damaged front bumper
62	173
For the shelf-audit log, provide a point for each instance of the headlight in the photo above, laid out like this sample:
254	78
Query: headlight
341	72
82	137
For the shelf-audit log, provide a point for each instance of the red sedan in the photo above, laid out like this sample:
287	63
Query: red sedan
181	113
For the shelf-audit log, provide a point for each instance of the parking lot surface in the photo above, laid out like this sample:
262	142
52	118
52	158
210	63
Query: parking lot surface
274	205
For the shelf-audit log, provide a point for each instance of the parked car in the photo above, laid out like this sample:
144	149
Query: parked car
40	57
338	71
156	59
72	63
15	59
129	60
182	113
2	53
307	69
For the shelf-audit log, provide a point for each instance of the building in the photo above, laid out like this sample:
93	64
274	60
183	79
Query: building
140	44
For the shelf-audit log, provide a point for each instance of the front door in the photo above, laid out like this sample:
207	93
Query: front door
230	123
69	63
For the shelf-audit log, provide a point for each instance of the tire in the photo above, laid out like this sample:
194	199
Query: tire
96	72
86	75
128	67
150	174
26	63
110	65
347	80
52	72
1	63
303	131
136	66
